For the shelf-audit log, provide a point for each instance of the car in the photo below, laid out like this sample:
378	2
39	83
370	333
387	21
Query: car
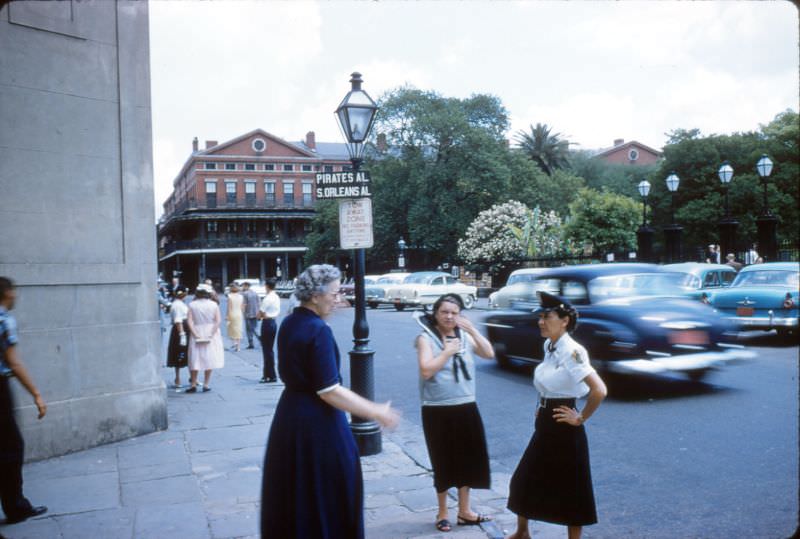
762	297
698	280
519	291
424	288
376	292
255	286
348	289
624	327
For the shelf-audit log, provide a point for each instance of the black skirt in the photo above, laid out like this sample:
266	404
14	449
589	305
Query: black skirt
553	481
456	444
176	354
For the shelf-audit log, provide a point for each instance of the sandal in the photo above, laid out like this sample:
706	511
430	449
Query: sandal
468	522
443	525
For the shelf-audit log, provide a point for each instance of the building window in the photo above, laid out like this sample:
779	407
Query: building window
250	193
633	155
211	194
328	168
269	166
211	166
307	227
232	227
211	228
249	166
230	166
288	193
259	145
269	193
307	168
230	192
250	228
306	194
288	168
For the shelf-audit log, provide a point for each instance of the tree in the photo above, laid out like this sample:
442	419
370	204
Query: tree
605	220
510	231
547	150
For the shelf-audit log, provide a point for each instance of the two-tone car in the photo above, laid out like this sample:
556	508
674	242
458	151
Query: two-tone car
762	297
375	292
347	290
519	291
424	288
625	323
700	281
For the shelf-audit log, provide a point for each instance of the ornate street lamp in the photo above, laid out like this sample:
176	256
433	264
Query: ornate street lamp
672	232
727	225
767	223
401	246
355	115
644	235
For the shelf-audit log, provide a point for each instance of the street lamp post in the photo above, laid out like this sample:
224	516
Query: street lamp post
644	235
355	115
727	225
767	223
673	231
401	246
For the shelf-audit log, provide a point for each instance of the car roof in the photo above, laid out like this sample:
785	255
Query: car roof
696	267
590	271
527	271
399	274
429	273
780	266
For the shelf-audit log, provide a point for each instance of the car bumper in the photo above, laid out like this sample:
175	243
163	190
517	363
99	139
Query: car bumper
681	363
764	322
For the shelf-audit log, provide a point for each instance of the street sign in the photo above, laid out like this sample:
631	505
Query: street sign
344	184
355	223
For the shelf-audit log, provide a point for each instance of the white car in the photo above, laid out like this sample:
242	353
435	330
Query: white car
519	291
255	286
425	287
376	292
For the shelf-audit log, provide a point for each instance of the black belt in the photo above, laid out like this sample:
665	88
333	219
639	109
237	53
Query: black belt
555	403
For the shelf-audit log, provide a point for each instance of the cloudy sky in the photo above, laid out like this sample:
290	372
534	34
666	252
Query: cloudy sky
595	71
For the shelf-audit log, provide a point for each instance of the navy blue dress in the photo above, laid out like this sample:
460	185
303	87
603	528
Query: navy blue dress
312	485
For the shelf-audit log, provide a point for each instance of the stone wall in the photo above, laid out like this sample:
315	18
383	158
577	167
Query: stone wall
77	219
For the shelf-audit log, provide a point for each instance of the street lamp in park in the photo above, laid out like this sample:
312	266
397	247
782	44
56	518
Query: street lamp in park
672	232
767	223
644	235
401	247
727	225
355	115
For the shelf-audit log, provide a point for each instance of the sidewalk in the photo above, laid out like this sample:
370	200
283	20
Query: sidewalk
201	478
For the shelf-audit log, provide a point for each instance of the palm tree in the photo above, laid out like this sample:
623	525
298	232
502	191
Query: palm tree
548	151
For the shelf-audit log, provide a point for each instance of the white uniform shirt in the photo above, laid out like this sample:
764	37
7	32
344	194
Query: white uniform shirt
271	305
561	373
179	311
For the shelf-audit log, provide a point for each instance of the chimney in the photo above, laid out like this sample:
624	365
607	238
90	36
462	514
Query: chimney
194	145
619	142
210	144
381	142
311	140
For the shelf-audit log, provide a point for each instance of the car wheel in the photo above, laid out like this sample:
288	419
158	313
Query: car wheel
372	305
469	301
399	307
696	376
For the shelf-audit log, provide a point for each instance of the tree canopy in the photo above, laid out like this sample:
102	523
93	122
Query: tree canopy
548	150
606	220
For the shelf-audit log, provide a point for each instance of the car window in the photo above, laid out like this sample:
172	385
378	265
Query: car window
437	281
728	277
574	292
521	278
711	279
450	280
767	278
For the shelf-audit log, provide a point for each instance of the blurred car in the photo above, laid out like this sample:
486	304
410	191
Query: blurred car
699	280
348	289
425	287
519	291
763	296
622	324
376	292
255	286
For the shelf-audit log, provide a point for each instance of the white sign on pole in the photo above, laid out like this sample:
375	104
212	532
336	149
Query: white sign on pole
355	223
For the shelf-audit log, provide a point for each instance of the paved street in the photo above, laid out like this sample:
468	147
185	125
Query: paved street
670	459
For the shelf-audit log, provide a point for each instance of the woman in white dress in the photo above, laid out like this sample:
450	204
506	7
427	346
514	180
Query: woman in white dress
235	316
206	352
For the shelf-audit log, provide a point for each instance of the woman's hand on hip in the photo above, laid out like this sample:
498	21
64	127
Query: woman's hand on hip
571	416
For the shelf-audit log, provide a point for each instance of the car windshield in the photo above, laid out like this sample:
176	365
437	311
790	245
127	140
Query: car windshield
767	278
419	278
390	280
637	284
521	278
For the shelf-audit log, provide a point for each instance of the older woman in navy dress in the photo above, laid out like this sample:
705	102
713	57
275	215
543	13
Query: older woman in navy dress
312	485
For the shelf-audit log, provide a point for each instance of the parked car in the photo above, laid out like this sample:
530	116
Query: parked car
425	287
623	326
699	280
348	289
763	296
519	291
255	286
376	292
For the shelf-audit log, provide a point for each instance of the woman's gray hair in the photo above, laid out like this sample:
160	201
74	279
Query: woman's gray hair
314	280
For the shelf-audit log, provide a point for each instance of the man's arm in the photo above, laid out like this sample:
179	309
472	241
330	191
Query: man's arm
19	370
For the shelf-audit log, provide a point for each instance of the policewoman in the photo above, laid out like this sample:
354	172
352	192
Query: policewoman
553	480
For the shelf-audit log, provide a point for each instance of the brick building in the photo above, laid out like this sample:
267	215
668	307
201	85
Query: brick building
629	153
243	208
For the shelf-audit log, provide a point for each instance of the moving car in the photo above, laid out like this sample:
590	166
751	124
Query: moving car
519	291
425	287
699	280
763	296
624	329
376	292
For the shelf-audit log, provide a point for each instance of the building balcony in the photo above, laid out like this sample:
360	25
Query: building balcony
228	243
270	203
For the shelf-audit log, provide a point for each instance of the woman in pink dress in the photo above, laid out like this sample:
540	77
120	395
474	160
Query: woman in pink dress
206	352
